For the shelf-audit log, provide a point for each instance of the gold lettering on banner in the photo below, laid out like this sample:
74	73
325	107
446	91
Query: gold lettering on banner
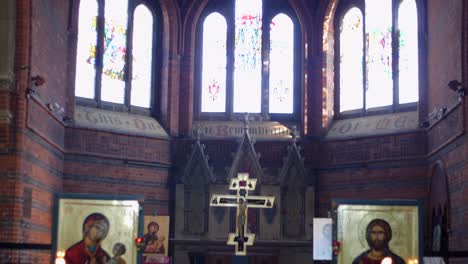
236	129
118	122
374	125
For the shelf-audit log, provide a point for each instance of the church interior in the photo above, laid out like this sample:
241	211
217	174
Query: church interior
119	111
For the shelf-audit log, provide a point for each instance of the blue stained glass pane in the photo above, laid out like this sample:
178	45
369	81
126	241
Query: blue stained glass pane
379	81
86	49
408	52
281	65
247	56
115	35
142	57
351	57
214	64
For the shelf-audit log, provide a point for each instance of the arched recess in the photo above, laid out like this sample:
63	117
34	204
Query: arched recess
438	213
170	65
293	193
328	55
196	179
188	62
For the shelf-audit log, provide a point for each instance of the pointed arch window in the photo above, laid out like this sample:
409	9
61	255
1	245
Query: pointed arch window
244	68
114	55
377	67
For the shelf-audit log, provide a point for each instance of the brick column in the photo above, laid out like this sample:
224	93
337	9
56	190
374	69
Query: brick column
7	76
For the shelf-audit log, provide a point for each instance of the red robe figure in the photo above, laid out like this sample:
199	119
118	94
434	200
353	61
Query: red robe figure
88	250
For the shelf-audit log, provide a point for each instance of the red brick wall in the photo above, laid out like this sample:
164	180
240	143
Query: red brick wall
454	157
386	167
454	152
22	256
11	229
99	162
49	47
444	51
392	180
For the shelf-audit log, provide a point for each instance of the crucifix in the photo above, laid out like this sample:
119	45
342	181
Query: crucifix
242	185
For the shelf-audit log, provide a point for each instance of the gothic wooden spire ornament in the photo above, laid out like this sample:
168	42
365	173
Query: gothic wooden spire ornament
246	152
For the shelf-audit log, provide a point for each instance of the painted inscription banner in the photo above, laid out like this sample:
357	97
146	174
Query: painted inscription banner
117	122
374	125
257	130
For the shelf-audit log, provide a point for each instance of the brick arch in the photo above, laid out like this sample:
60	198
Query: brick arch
328	73
307	24
188	38
438	207
171	21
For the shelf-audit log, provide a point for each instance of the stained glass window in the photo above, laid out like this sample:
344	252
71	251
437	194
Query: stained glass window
379	81
241	67
103	61
142	56
351	57
408	52
86	49
214	64
115	49
281	65
247	56
368	63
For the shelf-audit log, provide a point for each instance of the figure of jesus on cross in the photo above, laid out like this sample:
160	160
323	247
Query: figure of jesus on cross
242	185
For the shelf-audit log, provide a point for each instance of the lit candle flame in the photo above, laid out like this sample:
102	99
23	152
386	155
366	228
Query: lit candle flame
59	259
387	260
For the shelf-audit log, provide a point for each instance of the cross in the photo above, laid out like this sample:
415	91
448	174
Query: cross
242	185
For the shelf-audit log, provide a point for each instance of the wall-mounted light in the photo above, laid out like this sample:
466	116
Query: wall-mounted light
56	108
457	87
37	80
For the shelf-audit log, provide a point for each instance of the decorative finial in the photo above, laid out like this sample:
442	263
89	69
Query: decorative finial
246	122
198	132
294	133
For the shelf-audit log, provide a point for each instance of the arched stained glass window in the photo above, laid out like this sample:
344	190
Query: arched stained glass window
281	65
103	58
142	47
378	71
244	68
214	64
86	49
351	56
408	52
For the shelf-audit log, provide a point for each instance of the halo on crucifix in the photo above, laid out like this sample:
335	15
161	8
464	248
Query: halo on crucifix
242	185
